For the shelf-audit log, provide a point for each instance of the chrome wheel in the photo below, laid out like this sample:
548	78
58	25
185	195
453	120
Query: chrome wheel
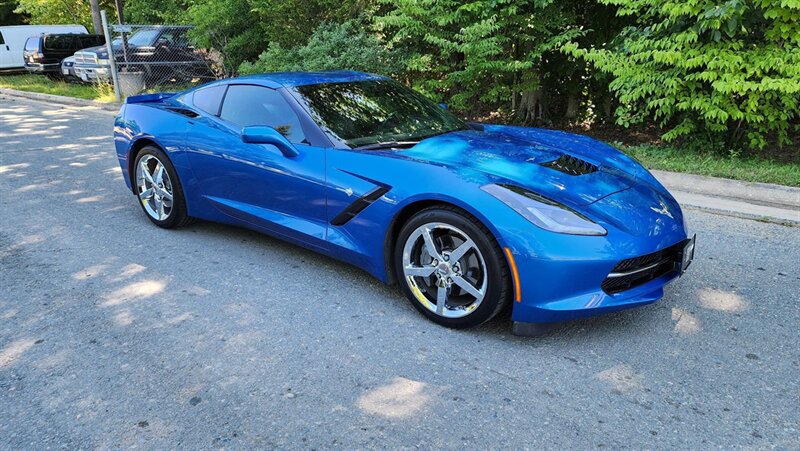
444	270
154	187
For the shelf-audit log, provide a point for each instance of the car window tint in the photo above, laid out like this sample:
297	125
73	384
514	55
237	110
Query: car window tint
247	105
91	41
32	44
143	37
208	99
64	42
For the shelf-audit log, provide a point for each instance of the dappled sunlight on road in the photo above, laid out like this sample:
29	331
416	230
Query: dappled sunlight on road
11	353
13	167
724	301
401	398
685	322
622	378
134	292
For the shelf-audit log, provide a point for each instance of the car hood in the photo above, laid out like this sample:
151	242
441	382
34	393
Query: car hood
521	156
101	51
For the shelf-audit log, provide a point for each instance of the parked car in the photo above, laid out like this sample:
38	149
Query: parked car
159	53
12	42
68	69
468	218
43	54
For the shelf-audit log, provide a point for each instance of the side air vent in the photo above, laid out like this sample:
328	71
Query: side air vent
184	111
571	165
358	206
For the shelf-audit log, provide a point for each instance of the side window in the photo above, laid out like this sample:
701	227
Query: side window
91	41
247	105
62	42
208	99
2	39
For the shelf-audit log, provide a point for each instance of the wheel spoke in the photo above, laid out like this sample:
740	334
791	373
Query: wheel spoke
160	209
441	298
460	251
468	287
146	194
429	244
146	172
166	194
158	174
421	271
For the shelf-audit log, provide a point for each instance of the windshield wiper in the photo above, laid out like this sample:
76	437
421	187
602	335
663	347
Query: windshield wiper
388	145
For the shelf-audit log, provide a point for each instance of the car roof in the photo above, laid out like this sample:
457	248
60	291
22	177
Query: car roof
289	79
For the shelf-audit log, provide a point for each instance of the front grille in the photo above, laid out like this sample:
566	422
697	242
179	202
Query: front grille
632	272
571	165
85	58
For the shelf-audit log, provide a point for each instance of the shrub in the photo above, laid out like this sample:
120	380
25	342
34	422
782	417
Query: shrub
332	46
711	71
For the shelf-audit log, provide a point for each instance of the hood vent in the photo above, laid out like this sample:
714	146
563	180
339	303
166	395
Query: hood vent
571	165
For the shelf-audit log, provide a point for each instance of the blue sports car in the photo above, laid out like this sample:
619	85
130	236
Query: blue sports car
469	219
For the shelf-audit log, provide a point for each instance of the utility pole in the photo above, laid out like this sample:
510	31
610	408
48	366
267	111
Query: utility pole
120	15
98	24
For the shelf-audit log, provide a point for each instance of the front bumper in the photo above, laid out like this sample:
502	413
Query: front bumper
39	68
92	73
572	287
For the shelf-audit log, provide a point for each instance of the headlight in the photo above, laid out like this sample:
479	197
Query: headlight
543	212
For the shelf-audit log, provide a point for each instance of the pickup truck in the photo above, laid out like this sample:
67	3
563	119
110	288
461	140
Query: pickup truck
161	53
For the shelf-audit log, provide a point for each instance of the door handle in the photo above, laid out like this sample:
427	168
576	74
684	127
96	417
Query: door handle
8	48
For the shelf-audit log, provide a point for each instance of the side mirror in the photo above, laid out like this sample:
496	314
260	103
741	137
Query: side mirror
443	106
262	134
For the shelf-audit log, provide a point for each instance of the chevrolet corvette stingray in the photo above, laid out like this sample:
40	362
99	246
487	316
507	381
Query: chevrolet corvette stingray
469	219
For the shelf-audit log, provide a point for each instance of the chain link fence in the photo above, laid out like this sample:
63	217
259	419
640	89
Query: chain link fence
141	59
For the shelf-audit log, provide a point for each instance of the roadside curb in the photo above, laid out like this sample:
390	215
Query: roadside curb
749	200
61	100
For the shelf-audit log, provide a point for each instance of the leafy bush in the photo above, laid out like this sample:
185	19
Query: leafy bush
331	46
470	52
724	73
230	28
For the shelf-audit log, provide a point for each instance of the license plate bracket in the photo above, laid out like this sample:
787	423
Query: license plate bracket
687	255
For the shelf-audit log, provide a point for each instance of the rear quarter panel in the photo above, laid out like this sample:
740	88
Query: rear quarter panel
142	122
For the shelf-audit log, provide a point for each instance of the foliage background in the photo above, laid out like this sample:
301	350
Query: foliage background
720	76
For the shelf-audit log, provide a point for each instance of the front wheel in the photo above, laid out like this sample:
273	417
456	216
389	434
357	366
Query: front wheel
159	190
451	268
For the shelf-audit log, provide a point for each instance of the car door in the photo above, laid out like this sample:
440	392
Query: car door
4	51
256	183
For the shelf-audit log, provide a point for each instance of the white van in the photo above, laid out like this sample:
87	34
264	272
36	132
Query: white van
12	41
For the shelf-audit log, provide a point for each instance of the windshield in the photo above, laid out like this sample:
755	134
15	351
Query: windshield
143	38
374	111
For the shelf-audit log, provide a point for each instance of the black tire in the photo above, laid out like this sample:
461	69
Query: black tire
498	289
178	216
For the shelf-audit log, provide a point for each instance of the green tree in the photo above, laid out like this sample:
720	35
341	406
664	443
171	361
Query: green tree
8	16
477	54
332	46
60	11
714	72
172	12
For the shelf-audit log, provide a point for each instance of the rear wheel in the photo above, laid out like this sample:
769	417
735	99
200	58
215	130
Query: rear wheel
451	268
159	190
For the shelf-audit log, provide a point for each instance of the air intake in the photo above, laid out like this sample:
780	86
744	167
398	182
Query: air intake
571	165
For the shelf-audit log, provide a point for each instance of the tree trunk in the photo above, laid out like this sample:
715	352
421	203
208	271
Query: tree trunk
572	107
98	24
530	107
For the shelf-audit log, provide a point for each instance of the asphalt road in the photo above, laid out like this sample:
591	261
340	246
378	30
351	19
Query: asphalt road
115	333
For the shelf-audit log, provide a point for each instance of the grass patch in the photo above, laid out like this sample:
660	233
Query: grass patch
42	84
749	169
